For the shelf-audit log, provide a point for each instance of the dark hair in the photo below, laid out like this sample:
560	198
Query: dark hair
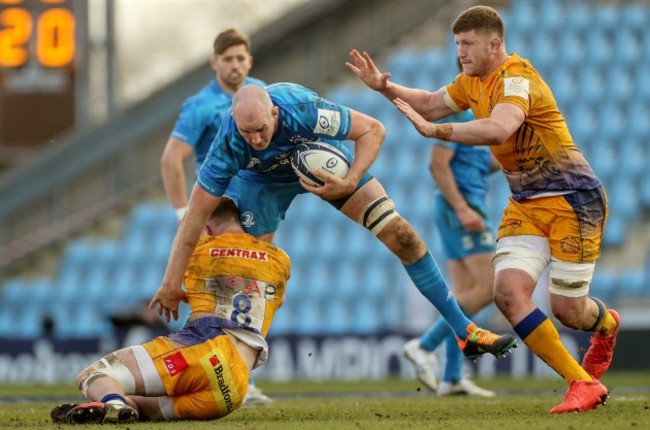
226	211
228	38
480	18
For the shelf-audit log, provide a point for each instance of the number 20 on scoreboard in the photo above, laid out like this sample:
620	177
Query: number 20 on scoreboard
36	32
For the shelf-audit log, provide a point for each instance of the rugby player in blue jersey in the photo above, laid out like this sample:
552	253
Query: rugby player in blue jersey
202	113
461	217
249	161
198	124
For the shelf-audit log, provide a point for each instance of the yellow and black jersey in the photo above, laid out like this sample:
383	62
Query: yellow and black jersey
240	279
540	157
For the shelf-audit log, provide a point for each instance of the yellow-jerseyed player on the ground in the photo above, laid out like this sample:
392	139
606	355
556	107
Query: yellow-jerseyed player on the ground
234	285
558	209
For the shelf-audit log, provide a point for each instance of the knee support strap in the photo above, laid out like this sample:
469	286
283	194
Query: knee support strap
377	214
112	367
528	253
570	279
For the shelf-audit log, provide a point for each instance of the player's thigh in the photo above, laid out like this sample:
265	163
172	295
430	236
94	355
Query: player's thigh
471	272
367	193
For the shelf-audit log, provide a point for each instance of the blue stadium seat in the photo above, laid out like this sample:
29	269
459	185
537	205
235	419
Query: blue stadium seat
602	157
619	84
628	47
633	284
615	231
606	18
599	48
309	318
634	17
282	322
612	121
638	115
644	186
623	198
337	316
604	285
366	316
579	18
591	84
550	17
632	162
522	17
582	122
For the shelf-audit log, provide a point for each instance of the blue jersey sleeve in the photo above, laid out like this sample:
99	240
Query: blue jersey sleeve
226	157
307	113
191	121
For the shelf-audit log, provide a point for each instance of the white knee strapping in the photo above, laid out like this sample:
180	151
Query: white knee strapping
112	367
528	253
570	279
153	385
377	214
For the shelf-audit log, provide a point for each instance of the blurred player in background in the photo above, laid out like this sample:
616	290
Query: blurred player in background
199	122
234	285
461	217
249	160
557	212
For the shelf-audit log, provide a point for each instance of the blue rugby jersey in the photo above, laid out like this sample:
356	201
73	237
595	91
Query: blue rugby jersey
304	116
201	116
470	164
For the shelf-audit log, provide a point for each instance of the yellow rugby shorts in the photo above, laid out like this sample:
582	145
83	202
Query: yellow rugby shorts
205	381
573	223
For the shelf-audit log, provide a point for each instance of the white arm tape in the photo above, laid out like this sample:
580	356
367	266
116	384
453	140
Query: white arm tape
180	213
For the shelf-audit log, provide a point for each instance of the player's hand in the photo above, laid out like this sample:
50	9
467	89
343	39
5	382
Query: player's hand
166	302
334	187
424	127
471	220
363	66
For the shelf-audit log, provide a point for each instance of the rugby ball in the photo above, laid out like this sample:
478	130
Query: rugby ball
320	156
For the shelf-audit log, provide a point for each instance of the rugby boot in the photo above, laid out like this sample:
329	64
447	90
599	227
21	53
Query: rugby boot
599	356
255	396
99	413
480	341
464	387
58	413
423	363
582	396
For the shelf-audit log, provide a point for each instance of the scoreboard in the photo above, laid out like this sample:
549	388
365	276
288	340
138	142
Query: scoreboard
39	58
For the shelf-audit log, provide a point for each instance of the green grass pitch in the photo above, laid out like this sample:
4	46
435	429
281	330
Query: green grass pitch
393	404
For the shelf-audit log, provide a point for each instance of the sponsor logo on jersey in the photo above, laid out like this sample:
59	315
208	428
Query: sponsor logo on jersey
329	122
247	219
241	284
516	86
254	161
175	363
239	253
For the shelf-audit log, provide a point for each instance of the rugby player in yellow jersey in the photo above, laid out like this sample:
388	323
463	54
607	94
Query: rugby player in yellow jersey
558	208
234	285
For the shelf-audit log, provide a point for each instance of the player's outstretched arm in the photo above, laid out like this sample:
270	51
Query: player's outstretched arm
430	105
170	292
